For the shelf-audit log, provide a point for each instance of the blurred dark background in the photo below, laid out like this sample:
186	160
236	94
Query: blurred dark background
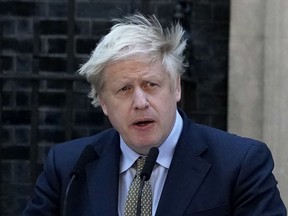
42	99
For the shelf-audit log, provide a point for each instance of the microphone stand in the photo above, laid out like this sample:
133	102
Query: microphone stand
88	155
64	208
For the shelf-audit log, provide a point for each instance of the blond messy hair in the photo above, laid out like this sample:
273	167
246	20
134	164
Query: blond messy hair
140	36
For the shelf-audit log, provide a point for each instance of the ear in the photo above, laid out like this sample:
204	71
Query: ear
178	89
103	105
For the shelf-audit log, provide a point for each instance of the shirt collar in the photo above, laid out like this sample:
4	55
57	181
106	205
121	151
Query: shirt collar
166	149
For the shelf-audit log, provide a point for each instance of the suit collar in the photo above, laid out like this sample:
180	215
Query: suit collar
191	137
187	171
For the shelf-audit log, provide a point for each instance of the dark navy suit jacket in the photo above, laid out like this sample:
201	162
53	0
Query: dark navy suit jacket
212	173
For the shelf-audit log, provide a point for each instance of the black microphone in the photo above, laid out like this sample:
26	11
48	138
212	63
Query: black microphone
88	155
149	164
146	174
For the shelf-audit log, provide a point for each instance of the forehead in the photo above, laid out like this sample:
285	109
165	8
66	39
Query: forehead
134	68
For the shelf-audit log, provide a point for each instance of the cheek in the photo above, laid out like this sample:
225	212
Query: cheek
118	120
115	109
172	96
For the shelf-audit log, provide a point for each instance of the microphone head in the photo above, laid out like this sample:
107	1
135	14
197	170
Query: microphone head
88	155
149	163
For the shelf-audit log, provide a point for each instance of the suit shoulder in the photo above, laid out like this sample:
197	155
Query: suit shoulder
219	139
64	155
227	151
90	140
73	148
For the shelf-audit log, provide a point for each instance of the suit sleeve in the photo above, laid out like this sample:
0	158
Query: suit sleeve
46	200
256	190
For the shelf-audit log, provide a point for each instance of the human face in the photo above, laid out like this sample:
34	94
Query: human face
140	102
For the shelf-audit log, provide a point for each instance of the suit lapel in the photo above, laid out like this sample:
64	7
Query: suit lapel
186	173
103	177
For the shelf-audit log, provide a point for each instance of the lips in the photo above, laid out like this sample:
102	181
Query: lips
143	122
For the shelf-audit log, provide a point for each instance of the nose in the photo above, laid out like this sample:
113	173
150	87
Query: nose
140	99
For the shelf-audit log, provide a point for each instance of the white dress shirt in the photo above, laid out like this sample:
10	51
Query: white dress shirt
158	176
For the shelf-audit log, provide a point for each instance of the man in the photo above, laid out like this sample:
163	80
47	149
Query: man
135	77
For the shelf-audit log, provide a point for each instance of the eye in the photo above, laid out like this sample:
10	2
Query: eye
124	89
150	85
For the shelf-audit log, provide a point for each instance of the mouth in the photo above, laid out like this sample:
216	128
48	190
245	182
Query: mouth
143	123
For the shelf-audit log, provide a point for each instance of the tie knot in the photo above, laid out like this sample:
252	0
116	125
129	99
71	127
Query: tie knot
140	164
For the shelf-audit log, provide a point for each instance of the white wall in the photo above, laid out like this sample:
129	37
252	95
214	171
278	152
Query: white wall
258	78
